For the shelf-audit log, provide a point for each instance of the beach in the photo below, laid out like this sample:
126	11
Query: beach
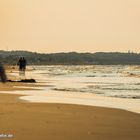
33	121
69	70
35	111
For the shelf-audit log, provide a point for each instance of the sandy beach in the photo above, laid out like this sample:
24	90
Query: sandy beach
70	70
33	121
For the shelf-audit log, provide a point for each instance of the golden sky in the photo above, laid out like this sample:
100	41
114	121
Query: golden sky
70	25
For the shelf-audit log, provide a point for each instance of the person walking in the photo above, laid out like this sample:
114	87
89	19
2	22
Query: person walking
22	65
3	76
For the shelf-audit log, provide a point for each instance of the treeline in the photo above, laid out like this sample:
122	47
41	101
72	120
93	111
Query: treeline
71	58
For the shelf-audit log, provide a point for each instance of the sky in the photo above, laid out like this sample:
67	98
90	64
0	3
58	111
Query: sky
70	25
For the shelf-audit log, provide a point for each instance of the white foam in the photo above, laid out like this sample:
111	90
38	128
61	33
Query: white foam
44	96
84	99
77	80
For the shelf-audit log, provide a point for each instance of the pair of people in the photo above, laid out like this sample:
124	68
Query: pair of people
22	65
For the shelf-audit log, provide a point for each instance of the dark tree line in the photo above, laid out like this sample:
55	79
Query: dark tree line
71	58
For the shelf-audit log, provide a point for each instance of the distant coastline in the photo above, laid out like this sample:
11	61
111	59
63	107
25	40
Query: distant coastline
71	58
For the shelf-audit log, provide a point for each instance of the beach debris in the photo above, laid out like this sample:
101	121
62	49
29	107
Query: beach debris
24	81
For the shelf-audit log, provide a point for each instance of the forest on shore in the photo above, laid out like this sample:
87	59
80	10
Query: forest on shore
71	58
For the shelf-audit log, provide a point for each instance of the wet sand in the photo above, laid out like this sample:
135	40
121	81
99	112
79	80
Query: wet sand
38	121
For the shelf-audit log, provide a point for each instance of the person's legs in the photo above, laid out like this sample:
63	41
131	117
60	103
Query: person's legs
19	71
24	71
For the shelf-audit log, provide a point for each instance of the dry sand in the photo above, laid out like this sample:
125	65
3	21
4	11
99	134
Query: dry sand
36	121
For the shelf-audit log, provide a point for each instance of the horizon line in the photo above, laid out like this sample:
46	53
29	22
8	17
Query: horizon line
129	51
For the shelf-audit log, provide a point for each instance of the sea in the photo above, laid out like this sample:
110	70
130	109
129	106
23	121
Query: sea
113	86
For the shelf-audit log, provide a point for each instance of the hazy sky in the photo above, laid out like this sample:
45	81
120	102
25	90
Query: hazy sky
70	25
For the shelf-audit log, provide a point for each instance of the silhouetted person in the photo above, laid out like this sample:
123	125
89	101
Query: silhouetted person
2	74
22	65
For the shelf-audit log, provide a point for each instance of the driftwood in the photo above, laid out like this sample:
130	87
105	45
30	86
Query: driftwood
24	81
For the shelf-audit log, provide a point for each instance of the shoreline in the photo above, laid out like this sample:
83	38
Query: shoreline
33	121
37	93
33	94
19	99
